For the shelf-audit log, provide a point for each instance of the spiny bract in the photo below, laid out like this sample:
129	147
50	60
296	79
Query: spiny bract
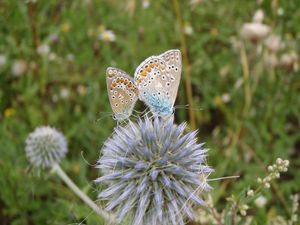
155	173
45	147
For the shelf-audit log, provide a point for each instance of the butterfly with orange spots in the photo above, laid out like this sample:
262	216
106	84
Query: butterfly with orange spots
156	82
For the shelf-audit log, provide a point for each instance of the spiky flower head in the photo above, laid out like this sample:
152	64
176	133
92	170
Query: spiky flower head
45	147
154	171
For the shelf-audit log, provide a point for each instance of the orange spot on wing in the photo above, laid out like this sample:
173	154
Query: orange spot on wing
148	69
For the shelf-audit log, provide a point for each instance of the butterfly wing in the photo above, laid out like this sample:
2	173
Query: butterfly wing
157	79
122	92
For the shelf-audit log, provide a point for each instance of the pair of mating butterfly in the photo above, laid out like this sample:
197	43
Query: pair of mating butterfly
155	82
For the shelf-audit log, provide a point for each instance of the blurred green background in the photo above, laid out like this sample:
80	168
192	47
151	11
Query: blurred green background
245	95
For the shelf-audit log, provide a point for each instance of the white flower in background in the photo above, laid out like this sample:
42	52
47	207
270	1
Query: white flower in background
146	4
250	193
274	43
261	201
290	60
107	36
2	60
43	50
226	97
64	93
52	56
258	16
19	67
280	11
255	30
45	147
188	29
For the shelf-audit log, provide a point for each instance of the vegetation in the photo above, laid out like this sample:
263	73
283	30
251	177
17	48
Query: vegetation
240	81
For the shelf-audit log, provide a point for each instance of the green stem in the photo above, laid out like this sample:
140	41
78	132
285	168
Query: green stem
58	170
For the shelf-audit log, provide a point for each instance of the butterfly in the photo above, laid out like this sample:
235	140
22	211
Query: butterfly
157	79
156	82
122	93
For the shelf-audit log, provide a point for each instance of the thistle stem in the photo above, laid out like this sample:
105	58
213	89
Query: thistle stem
108	217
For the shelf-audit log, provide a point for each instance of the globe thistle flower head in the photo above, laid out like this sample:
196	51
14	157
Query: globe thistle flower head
45	147
154	171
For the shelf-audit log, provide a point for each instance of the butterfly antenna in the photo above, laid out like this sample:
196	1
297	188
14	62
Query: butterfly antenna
187	107
103	115
223	178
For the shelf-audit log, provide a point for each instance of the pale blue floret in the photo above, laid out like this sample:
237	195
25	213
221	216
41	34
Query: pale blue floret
154	171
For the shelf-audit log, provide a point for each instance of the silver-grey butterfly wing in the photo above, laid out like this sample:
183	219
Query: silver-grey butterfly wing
122	92
173	61
157	79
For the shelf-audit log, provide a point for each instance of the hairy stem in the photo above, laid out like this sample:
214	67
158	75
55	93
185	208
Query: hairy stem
58	170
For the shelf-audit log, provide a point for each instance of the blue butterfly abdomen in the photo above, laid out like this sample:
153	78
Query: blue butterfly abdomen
159	103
